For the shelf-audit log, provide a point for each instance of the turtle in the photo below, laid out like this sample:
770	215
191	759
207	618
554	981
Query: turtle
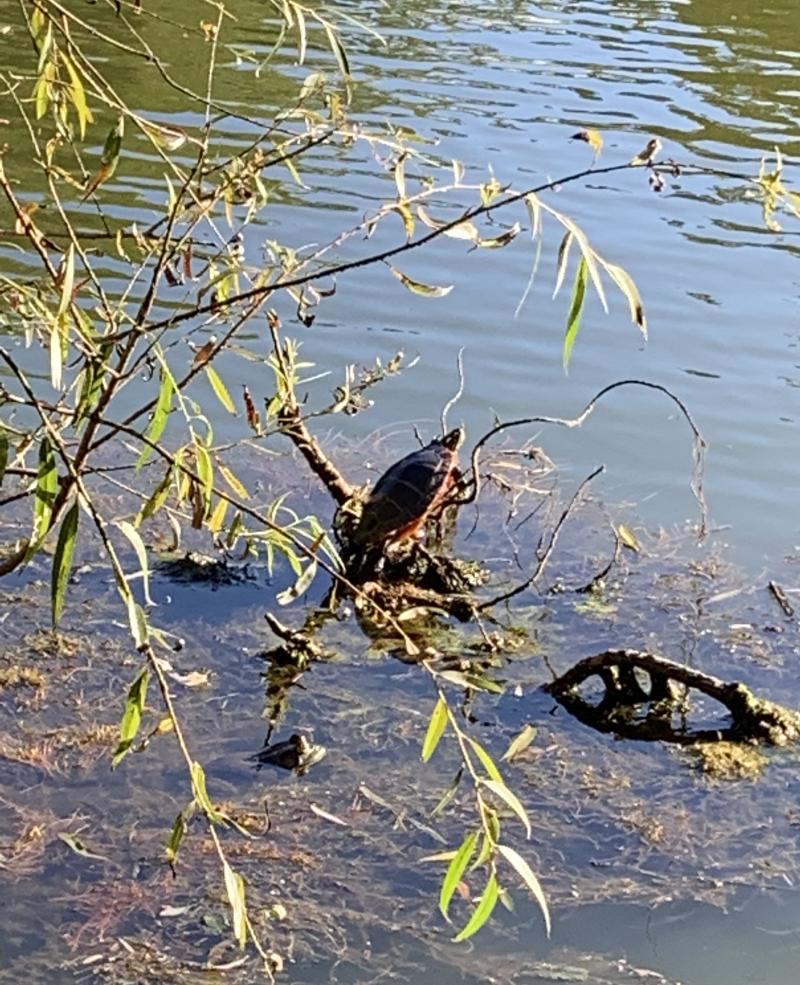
409	493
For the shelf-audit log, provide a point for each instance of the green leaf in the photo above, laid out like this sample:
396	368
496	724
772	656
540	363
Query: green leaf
520	743
575	309
46	490
301	33
449	793
436	727
301	586
201	794
217	518
62	562
486	850
234	886
454	677
156	500
67	275
482	911
530	880
220	389
160	415
481	683
109	159
56	355
78	94
498	242
136	620
338	50
205	471
486	759
236	485
175	838
592	259
455	871
132	717
512	801
417	287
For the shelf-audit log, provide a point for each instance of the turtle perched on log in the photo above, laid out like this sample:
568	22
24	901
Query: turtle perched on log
408	494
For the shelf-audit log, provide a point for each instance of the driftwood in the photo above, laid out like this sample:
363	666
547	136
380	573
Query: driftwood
633	679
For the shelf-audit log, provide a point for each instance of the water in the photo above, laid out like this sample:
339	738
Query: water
505	86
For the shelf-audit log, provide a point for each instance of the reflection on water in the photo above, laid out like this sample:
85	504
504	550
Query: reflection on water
506	85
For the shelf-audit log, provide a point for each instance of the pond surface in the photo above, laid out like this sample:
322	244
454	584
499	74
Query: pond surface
506	85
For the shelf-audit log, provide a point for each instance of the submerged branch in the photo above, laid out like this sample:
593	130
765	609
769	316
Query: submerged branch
753	719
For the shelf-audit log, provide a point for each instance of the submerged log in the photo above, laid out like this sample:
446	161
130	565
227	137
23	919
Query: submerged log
634	679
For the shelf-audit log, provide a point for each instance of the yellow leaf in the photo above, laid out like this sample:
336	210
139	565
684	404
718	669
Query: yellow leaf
628	538
591	137
417	287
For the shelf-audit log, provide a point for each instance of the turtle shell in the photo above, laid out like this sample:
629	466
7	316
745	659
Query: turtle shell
406	495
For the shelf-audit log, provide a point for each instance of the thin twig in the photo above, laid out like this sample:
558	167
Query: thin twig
698	445
459	392
546	554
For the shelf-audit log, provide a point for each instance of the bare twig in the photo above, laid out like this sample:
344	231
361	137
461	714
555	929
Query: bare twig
698	444
548	551
459	392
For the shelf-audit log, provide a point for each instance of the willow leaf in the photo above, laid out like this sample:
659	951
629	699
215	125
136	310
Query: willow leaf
137	621
220	389
482	911
626	284
455	871
175	838
575	310
529	878
141	554
563	258
233	481
338	50
417	287
78	95
520	743
161	414
436	727
510	798
67	275
486	760
132	716
301	586
234	886
62	562
46	490
497	242
592	259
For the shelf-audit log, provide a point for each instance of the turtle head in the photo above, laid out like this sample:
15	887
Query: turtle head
454	439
